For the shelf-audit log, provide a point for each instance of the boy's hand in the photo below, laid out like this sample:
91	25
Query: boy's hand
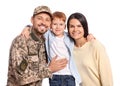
90	37
26	32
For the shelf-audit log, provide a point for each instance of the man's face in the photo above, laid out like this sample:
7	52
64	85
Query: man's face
41	23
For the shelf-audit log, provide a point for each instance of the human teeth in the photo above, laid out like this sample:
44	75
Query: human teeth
42	26
75	33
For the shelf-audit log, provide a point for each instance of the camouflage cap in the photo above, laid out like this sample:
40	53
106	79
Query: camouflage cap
41	9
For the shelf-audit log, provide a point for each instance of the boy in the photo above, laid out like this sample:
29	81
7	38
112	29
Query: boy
59	44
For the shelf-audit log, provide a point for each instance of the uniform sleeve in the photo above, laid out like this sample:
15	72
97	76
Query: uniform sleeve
21	68
104	66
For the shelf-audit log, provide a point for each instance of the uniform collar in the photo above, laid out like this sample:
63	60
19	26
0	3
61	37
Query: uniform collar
35	37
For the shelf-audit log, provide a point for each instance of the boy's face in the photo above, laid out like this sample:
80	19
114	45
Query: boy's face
58	27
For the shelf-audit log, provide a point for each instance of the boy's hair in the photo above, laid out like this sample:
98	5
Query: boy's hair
60	15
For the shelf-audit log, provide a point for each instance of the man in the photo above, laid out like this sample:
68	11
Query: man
28	63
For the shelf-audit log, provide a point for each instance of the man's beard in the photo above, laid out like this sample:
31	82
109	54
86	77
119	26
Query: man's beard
41	29
41	32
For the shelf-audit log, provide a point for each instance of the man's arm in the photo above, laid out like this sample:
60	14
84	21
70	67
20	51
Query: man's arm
20	67
19	64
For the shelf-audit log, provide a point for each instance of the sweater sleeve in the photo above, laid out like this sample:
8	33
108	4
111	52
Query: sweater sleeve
103	65
21	68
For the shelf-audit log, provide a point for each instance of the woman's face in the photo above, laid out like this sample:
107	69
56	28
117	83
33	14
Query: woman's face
76	30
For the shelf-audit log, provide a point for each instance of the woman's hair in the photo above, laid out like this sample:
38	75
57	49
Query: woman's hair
81	18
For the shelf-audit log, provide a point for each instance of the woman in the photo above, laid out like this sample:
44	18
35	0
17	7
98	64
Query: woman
90	56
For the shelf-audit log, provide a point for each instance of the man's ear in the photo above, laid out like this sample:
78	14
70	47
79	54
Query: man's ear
32	20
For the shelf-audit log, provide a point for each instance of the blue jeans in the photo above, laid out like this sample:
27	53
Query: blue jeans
62	80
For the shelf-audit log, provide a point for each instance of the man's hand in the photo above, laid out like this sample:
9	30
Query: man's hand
57	64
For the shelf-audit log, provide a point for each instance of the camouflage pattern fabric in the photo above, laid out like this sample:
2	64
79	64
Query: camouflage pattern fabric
27	62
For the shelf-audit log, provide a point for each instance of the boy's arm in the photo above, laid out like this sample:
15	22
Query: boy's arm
90	37
26	31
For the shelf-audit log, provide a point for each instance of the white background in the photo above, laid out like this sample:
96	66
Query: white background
103	18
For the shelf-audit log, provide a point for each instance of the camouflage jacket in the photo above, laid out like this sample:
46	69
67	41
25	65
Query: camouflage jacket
27	62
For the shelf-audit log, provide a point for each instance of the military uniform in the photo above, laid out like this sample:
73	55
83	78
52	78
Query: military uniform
27	62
